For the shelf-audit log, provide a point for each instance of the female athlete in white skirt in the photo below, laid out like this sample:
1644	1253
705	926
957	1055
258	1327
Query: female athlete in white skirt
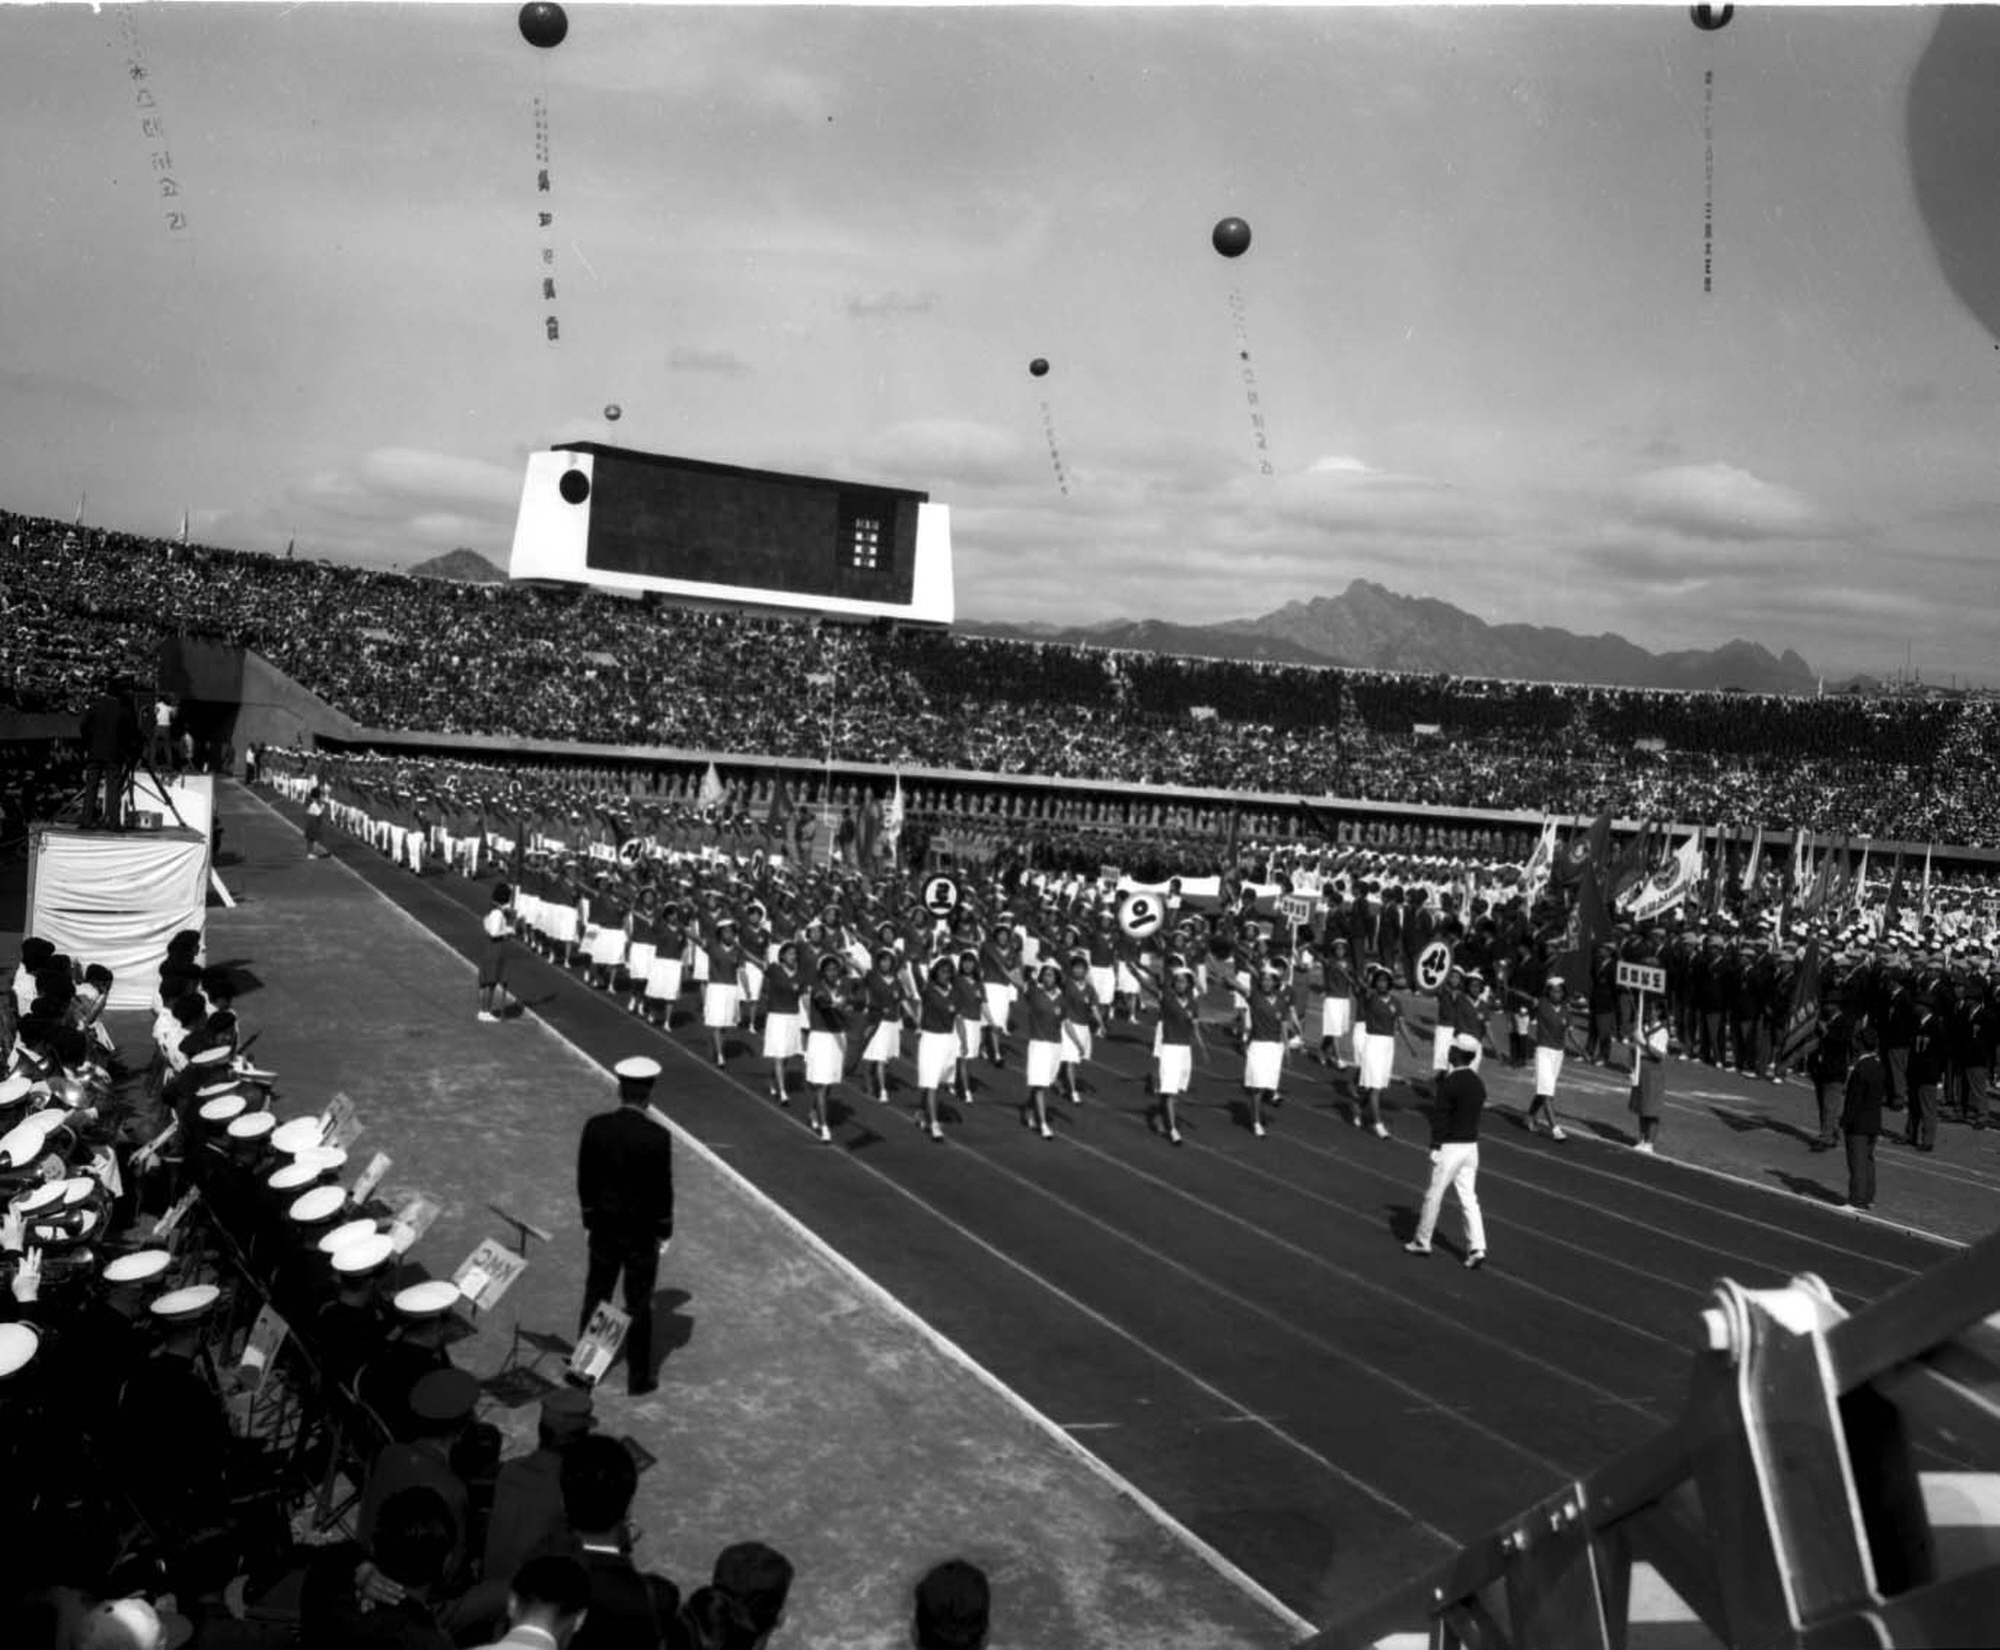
645	946
1336	1011
664	977
937	1039
782	998
1268	1012
969	1001
1175	1039
882	996
1083	1021
828	1011
1041	1004
722	996
1381	1020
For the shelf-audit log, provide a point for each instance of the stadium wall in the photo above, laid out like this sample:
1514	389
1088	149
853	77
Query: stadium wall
237	694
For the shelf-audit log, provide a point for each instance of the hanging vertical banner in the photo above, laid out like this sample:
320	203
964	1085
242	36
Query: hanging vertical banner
1055	452
1708	175
545	219
166	183
1251	397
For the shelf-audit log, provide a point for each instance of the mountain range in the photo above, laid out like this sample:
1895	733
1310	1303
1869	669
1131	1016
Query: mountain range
465	566
1369	627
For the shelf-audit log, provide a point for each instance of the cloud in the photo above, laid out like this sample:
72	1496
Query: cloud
1340	464
873	306
443	478
1719	501
707	360
939	453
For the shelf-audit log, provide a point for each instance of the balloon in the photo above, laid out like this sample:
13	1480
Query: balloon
544	24
1038	368
1711	18
1951	124
1231	237
614	412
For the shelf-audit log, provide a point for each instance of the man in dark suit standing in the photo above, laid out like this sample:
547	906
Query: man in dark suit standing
1861	1118
111	746
625	1183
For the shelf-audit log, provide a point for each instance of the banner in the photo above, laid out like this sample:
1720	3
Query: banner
1800	1033
1671	885
1589	852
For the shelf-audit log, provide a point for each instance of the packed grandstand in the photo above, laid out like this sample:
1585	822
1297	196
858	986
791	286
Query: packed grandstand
401	653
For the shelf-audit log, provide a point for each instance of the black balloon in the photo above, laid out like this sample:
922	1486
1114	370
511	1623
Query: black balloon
1038	368
614	412
1711	18
1231	237
544	23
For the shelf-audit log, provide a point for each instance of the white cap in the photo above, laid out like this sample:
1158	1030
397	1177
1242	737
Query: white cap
364	1254
639	1068
1465	1042
186	1303
141	1266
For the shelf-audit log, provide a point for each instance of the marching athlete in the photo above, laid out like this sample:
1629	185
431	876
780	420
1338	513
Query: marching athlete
1381	1023
782	999
937	1039
722	996
1268	1018
968	1000
882	997
1041	1003
1551	1039
1336	1014
828	1011
1083	1021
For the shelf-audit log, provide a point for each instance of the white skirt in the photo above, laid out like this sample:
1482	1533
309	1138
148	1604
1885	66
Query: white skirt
561	921
937	1057
639	959
1376	1057
885	1042
1103	986
527	909
784	1035
1176	1062
1336	1016
753	980
969	1034
663	979
1044	1061
826	1054
1263	1066
701	965
1548	1067
999	998
1440	1048
720	1005
1076	1043
1126	981
607	947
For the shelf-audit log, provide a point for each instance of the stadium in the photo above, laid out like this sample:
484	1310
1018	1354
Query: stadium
1185	1134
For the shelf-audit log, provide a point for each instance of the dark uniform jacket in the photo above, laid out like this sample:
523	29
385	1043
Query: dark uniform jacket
1861	1113
625	1178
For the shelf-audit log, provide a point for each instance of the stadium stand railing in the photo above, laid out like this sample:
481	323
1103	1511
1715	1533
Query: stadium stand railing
1815	1494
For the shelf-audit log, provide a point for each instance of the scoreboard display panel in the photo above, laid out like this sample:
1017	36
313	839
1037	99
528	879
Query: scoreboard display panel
628	520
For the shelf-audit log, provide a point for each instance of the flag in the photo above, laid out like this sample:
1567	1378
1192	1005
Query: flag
892	821
1892	910
1629	871
866	831
1589	852
1672	884
184	527
1924	909
1541	861
1814	900
1321	819
1859	885
1801	858
1589	926
1750	865
1800	1032
711	793
80	497
291	544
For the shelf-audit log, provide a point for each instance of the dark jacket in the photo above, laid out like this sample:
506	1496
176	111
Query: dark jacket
1460	1097
110	729
1861	1111
625	1177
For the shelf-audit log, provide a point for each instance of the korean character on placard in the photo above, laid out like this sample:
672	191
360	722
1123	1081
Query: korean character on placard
153	126
176	222
145	99
545	218
162	161
169	189
548	255
548	287
552	329
542	181
137	71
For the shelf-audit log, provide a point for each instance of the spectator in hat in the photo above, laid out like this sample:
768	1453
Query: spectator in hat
629	1609
625	1183
547	1602
954	1608
759	1578
1460	1098
441	1404
527	1512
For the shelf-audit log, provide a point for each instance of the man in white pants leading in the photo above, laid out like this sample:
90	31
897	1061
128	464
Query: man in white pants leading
1461	1096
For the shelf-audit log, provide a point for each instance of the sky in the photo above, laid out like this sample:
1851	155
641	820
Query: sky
830	240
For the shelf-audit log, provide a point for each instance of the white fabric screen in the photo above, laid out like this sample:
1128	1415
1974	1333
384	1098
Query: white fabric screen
116	899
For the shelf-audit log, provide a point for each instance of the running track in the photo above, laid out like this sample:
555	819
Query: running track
1233	1325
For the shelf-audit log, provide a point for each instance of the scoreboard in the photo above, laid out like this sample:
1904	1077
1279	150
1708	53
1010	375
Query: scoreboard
626	520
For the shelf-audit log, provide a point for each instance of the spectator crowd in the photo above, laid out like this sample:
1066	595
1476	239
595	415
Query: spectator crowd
417	654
